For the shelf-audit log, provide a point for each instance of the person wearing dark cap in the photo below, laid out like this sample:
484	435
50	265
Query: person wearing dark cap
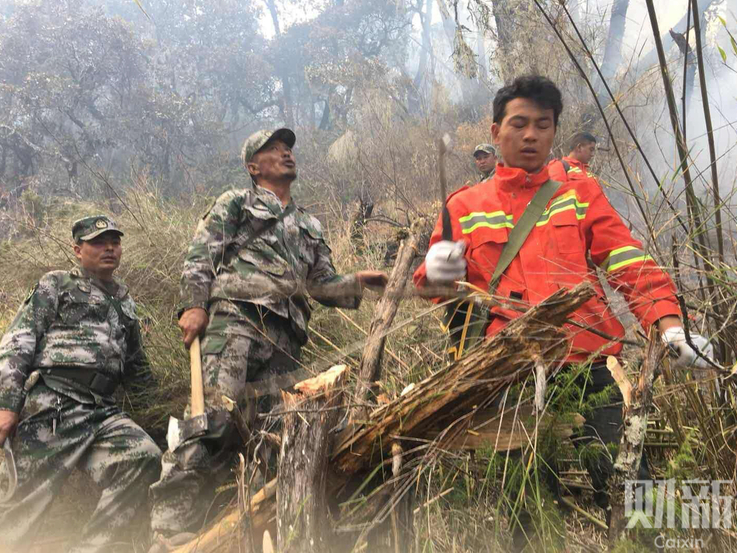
255	258
485	157
74	340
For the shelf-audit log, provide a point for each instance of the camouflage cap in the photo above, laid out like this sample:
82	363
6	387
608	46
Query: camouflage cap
488	148
89	227
259	139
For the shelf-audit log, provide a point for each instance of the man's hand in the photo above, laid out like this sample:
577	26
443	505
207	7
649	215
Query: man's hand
675	338
444	262
8	422
193	323
372	279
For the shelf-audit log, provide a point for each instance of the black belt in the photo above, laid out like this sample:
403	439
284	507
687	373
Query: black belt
92	380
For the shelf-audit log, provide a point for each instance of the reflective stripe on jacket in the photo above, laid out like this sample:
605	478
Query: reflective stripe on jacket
579	223
575	170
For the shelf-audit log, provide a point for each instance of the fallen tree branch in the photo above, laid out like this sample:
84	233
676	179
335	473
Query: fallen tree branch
442	404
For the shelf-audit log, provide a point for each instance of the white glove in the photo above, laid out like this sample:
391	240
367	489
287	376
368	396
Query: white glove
445	263
675	337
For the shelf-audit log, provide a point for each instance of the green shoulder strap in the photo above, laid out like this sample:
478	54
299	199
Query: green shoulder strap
467	329
522	229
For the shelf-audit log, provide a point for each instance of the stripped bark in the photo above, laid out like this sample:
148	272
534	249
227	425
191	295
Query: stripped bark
303	524
637	401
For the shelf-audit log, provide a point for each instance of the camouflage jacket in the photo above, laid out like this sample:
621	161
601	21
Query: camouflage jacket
70	321
276	270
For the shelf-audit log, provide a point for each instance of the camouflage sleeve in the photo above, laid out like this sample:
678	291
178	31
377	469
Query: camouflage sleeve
215	231
18	346
329	288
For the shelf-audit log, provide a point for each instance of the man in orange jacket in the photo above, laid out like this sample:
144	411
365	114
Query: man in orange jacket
576	164
577	223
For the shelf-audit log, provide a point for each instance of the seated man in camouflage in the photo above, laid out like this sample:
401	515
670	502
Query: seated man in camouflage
254	259
74	339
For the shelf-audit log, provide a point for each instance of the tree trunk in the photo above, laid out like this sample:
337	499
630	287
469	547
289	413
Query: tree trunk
504	18
651	58
637	402
303	524
481	52
459	48
425	49
690	64
613	50
286	106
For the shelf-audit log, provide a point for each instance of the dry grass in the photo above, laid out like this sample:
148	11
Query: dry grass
462	503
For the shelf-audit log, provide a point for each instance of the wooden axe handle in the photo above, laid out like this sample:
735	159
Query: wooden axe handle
195	370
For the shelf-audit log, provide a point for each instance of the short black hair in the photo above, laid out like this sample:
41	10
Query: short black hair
582	137
540	90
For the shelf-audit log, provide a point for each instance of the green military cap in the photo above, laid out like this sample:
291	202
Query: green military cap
89	227
259	139
488	148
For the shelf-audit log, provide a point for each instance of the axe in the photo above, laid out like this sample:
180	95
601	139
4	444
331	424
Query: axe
444	145
180	432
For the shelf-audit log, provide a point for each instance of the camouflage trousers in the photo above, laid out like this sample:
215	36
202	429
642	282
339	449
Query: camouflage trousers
242	344
101	441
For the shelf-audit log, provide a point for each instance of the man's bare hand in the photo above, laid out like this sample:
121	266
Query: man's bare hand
8	422
193	323
372	279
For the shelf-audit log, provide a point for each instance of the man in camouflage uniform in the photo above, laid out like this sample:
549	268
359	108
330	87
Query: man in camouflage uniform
484	155
254	259
74	339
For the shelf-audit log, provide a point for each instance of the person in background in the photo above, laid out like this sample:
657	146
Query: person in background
576	164
485	157
74	340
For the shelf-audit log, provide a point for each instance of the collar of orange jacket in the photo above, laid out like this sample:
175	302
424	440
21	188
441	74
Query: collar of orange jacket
514	178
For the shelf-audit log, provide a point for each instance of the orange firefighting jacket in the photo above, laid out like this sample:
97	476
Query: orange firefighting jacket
579	223
575	170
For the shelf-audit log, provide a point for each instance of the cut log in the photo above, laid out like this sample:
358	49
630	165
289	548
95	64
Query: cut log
637	400
446	401
303	524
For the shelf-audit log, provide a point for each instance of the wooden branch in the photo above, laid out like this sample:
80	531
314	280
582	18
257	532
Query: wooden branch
222	533
303	523
634	415
572	504
386	309
439	400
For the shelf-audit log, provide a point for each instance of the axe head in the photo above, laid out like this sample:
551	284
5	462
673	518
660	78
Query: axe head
447	142
180	432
